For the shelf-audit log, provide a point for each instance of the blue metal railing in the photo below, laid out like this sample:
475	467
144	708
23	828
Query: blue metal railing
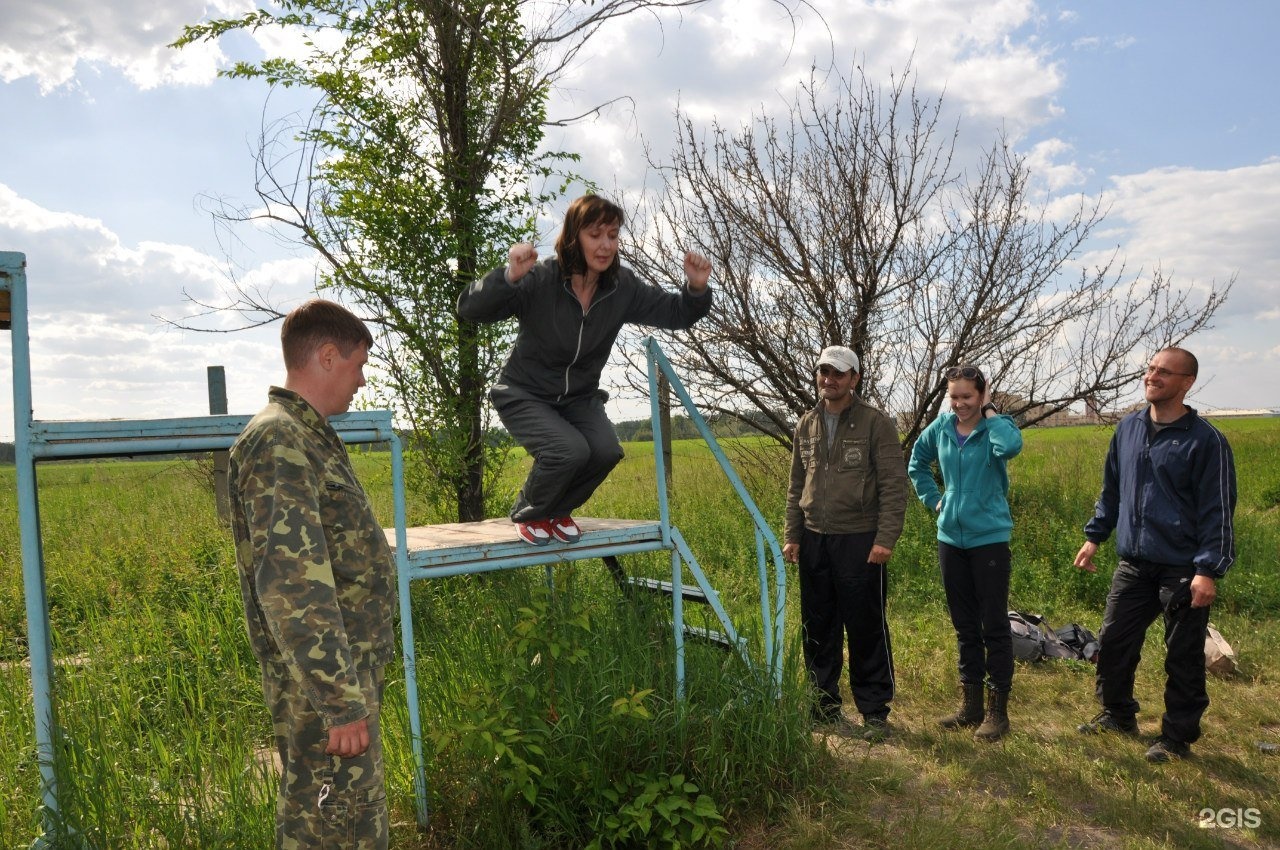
772	608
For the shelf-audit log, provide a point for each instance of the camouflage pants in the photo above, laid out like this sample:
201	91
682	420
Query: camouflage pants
325	802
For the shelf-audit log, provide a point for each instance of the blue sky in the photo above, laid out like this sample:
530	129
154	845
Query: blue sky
1169	84
1167	109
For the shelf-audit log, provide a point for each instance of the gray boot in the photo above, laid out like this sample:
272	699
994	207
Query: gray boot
970	713
996	724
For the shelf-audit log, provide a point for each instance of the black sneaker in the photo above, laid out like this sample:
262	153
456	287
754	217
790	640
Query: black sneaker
1167	749
1108	722
875	728
834	723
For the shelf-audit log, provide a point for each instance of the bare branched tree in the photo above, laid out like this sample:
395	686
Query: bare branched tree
847	222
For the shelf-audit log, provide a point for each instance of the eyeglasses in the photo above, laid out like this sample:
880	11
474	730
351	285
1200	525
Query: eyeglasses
1161	372
955	373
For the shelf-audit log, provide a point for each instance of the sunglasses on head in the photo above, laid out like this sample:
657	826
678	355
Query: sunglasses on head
955	373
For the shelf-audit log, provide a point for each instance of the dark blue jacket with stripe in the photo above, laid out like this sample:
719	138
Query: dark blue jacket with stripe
1169	497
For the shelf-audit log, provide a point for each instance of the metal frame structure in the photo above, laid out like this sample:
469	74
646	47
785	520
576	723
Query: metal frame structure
644	537
37	441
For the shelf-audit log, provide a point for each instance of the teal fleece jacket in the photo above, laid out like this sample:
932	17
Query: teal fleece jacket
975	504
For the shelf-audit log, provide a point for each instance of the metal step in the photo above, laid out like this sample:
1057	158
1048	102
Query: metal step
690	592
719	639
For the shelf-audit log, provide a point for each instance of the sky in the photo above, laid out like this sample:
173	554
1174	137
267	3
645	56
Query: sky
113	145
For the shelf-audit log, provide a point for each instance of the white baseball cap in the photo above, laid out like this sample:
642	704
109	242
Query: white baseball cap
840	357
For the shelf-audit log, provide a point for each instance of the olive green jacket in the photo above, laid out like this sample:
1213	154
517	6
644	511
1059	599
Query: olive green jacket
858	486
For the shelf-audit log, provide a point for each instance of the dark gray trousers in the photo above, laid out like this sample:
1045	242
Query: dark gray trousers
573	445
1140	592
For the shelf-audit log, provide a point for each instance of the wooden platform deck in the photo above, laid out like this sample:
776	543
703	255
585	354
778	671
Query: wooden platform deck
492	544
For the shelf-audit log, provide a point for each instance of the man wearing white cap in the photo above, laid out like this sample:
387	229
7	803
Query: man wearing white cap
845	508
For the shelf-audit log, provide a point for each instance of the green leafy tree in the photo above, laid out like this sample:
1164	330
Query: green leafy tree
414	172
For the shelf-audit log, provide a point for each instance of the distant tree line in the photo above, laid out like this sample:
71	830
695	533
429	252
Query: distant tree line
682	428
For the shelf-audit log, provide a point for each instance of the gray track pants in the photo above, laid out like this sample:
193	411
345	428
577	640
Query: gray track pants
574	448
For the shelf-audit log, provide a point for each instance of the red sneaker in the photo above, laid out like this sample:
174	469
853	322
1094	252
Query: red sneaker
536	533
565	530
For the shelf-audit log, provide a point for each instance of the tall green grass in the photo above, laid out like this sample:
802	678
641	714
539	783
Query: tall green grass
163	730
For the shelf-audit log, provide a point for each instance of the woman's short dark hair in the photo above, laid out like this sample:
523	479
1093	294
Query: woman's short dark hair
316	322
966	373
583	213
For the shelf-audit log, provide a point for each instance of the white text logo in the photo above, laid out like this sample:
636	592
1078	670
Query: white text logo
1229	818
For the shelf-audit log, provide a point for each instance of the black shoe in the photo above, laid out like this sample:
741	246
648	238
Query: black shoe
875	728
833	722
1167	749
821	713
1108	722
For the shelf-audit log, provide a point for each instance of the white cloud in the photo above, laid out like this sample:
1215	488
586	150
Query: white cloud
730	61
54	42
1203	227
1051	165
1094	43
1206	225
99	348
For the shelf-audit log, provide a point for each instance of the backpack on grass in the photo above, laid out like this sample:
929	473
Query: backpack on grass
1033	639
1083	643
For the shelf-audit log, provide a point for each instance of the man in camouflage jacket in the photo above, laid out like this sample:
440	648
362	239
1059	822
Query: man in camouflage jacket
319	589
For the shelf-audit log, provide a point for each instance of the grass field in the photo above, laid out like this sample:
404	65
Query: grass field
550	716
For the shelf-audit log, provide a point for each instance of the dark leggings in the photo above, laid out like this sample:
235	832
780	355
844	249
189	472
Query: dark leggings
977	585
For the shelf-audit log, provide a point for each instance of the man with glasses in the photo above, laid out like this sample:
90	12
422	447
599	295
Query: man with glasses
1169	493
845	509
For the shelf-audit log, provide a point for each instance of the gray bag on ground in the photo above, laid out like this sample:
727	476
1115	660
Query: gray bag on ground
1034	639
1028	639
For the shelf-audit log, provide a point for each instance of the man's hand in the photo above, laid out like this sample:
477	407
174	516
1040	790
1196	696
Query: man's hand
1084	558
879	555
1203	591
349	740
791	552
697	270
520	259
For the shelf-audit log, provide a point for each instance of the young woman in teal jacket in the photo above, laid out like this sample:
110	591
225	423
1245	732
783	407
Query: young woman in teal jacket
970	447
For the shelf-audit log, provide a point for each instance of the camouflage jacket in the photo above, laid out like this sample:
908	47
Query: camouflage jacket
316	573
